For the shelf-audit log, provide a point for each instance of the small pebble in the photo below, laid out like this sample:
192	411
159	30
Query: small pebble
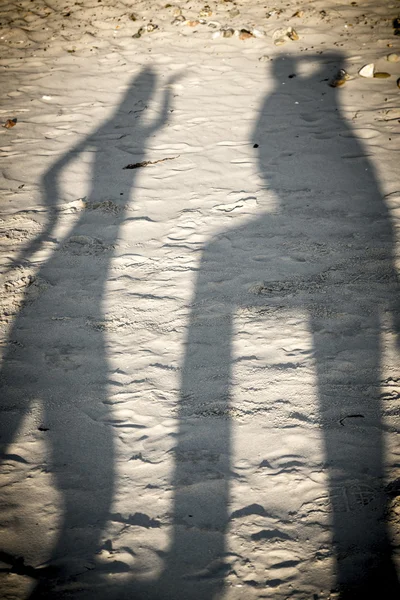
192	23
299	14
234	13
227	33
381	75
177	11
392	57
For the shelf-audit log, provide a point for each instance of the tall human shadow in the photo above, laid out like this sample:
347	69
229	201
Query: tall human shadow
57	352
327	250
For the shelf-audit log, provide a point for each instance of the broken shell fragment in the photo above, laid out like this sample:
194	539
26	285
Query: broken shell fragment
179	19
381	75
205	11
340	79
293	35
367	70
245	34
280	36
337	83
10	123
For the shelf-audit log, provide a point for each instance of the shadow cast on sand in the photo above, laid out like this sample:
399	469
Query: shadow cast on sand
327	250
57	349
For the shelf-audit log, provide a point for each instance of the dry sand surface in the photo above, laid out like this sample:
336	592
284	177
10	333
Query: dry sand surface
200	377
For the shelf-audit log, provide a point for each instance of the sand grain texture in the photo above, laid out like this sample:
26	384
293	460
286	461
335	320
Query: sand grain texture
199	376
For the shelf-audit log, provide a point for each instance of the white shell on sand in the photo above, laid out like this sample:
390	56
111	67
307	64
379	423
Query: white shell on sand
367	70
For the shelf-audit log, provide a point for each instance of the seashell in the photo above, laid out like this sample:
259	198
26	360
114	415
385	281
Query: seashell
367	70
292	34
337	82
280	36
205	11
227	33
257	33
245	34
381	75
10	123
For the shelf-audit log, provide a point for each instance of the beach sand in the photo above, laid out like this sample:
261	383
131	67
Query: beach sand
199	301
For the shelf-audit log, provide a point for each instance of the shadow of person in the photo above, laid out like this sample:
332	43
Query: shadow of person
327	250
57	353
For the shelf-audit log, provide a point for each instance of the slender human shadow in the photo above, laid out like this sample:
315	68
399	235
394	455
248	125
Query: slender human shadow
327	250
57	353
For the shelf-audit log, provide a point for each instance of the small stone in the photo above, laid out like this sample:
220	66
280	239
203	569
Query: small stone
133	17
214	24
381	75
234	13
192	23
392	57
264	58
227	33
137	35
367	70
177	12
151	27
299	14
